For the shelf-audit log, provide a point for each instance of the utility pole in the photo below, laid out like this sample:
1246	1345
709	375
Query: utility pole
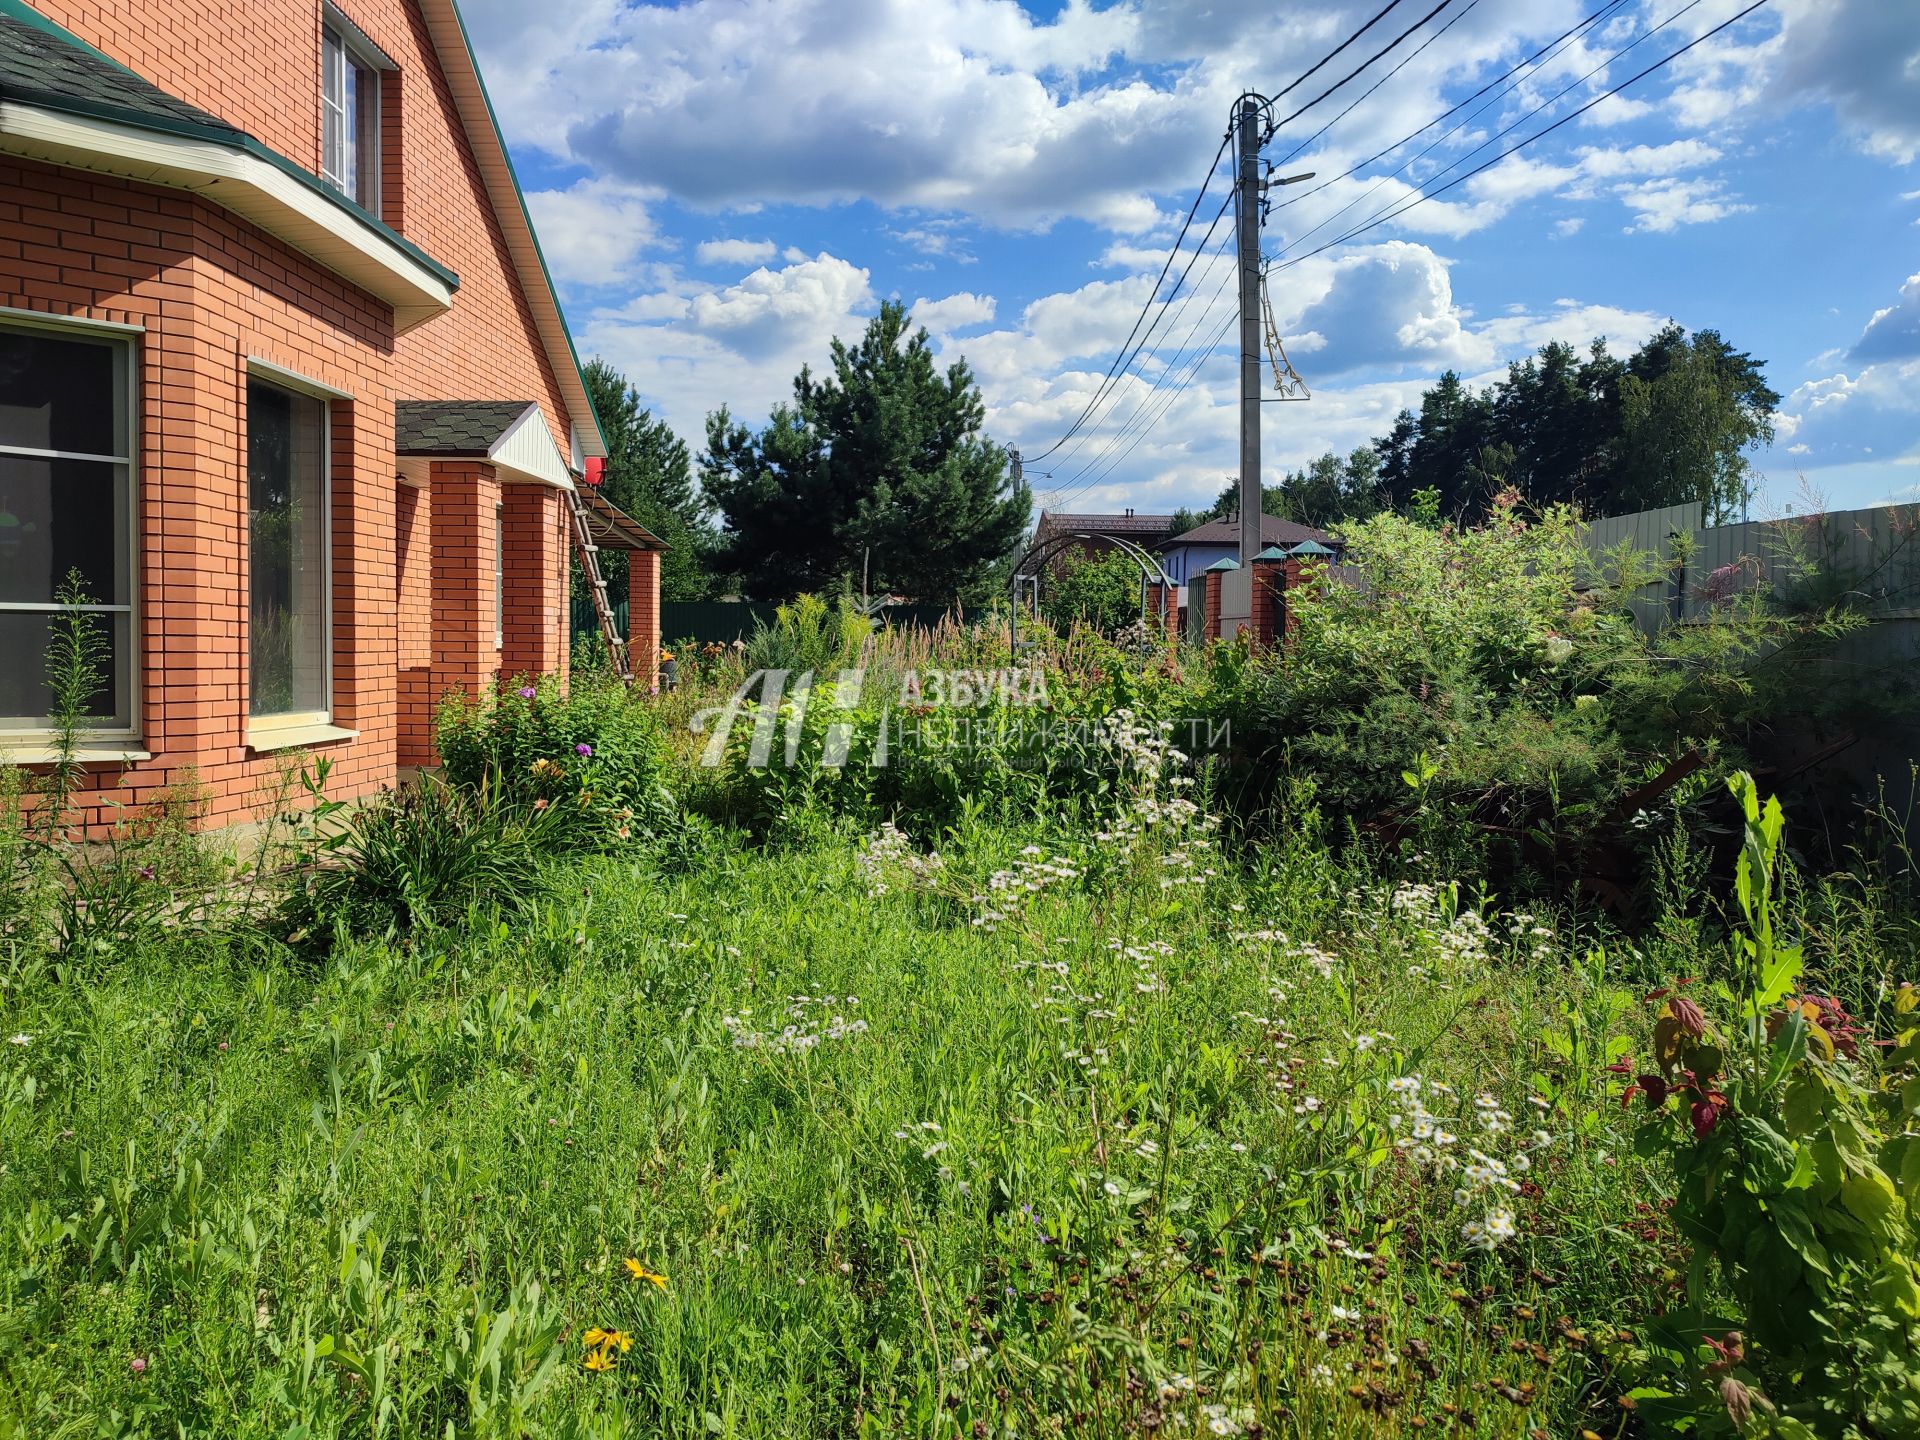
1247	207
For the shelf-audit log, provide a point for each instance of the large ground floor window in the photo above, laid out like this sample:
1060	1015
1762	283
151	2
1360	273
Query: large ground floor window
66	515
288	557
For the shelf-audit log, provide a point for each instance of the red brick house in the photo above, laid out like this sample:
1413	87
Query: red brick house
283	375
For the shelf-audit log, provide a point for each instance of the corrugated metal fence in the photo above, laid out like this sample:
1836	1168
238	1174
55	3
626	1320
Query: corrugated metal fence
1869	559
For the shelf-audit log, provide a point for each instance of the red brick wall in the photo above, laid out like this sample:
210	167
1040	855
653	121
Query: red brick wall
466	653
1268	582
1212	631
537	616
1292	570
257	65
210	291
413	608
643	616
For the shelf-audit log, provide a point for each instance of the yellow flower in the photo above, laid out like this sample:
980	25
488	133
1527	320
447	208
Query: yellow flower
640	1272
598	1360
620	1339
595	1336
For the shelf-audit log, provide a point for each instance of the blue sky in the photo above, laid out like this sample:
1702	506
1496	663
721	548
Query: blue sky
723	185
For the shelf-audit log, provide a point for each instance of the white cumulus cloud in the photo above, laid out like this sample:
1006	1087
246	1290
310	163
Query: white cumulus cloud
735	252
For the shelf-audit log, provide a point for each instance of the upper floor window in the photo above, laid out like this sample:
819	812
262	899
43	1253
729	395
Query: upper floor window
350	116
66	511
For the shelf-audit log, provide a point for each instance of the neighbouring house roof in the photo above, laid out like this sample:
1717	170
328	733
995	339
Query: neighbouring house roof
455	49
63	101
1129	524
509	434
1273	531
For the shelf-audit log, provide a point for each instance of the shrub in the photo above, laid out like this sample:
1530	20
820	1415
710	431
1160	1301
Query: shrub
592	753
425	854
1102	592
1791	1142
1509	656
809	634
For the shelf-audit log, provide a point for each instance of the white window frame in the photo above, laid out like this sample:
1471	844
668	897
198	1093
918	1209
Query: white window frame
340	35
500	577
300	727
26	743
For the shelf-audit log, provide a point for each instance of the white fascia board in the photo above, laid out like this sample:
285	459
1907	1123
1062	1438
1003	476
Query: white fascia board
243	183
525	451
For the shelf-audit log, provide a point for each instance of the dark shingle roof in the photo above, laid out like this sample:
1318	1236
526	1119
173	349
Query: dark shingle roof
39	64
1273	531
453	427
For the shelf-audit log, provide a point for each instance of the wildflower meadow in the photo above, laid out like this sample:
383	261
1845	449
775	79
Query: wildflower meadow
596	1090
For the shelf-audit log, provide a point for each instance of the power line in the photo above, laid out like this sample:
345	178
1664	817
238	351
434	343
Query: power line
1124	356
1388	48
1414	55
1192	210
1554	45
1200	356
1143	351
1498	135
1103	464
1572	115
1170	368
1334	54
1109	384
1180	371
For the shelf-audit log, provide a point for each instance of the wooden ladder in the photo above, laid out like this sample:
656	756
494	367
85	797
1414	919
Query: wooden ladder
589	554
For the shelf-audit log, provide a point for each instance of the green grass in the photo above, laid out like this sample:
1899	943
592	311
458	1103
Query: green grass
389	1196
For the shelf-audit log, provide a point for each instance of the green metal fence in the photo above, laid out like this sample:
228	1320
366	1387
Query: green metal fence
721	622
585	623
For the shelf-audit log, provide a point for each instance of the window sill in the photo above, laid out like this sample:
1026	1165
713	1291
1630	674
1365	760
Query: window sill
286	737
38	752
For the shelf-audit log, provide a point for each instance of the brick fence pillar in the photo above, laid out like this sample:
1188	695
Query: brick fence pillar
1289	584
1269	582
466	559
643	616
534	637
1214	581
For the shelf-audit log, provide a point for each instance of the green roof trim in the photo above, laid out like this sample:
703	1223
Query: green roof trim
1309	547
1221	567
520	194
1272	552
98	87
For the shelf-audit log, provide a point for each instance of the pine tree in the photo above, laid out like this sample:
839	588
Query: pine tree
882	461
649	475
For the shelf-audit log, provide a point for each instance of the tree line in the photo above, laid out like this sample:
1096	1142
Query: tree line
1675	422
879	469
